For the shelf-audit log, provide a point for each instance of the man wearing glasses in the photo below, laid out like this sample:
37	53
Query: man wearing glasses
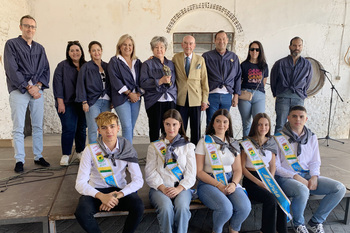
290	79
27	74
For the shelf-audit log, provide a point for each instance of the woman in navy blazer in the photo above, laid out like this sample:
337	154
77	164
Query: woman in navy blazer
93	88
70	113
124	72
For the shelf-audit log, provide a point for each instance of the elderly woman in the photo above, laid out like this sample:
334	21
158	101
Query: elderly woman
70	113
93	88
124	72
158	81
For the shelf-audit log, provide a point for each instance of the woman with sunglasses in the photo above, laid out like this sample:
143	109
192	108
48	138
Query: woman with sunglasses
254	75
93	88
70	113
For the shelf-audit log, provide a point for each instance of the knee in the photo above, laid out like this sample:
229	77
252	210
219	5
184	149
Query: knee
340	188
137	206
301	191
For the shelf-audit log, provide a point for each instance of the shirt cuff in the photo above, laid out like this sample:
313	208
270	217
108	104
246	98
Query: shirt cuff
123	89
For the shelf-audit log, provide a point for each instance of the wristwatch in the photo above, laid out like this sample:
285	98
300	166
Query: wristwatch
38	86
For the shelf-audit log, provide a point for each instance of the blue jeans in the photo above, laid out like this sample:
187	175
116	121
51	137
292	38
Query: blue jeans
234	207
173	215
218	101
88	206
18	104
248	109
128	113
282	106
73	127
333	190
101	105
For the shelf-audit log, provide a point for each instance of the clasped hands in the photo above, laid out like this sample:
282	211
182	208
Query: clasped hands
33	91
109	200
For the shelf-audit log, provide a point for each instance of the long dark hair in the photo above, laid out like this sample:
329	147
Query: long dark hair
173	113
254	129
210	129
69	59
261	58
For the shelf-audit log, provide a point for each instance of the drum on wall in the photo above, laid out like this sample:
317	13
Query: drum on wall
318	77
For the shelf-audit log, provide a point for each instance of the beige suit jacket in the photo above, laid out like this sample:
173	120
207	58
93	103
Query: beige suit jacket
195	85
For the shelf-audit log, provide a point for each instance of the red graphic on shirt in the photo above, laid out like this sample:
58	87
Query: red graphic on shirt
254	76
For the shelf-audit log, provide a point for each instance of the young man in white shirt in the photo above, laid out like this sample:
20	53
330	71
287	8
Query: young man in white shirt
101	177
298	184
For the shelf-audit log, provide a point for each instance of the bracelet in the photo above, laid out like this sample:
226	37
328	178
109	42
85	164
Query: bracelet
217	184
38	86
234	183
85	102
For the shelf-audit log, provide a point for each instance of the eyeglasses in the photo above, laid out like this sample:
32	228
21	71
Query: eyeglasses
73	42
29	26
256	49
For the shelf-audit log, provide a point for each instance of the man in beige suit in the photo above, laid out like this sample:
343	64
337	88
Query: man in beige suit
192	86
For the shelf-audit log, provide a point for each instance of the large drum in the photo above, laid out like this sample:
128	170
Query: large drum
318	77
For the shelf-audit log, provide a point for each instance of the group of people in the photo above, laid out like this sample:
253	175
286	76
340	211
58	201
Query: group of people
85	92
274	168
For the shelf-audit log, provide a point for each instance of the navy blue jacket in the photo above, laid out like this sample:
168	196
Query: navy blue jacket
64	82
23	63
151	73
90	85
223	71
120	75
285	75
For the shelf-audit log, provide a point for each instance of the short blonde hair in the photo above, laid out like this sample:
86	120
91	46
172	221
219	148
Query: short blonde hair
105	118
122	39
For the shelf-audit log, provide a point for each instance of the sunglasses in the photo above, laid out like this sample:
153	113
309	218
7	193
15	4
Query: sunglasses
256	49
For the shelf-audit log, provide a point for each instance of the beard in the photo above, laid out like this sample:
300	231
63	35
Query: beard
295	53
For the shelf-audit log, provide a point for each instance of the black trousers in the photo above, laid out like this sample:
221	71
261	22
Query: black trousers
88	206
194	113
269	222
155	118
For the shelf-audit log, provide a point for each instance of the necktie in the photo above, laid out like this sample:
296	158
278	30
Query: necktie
187	66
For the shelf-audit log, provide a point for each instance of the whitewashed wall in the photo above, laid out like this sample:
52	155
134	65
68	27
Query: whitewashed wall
322	24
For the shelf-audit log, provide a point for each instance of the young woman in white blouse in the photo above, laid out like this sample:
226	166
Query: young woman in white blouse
170	173
219	171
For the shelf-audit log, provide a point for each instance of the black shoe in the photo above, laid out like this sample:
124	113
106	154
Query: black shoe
19	167
42	162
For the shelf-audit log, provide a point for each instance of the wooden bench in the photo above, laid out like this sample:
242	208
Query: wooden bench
67	200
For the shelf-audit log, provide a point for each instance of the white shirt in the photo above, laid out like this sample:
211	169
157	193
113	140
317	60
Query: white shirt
227	158
157	175
89	178
309	159
133	72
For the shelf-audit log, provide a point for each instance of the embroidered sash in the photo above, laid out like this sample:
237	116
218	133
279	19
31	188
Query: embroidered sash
103	165
266	177
215	160
172	166
288	153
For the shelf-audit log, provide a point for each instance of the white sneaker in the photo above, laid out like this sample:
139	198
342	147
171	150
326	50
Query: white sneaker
317	228
79	155
301	229
64	160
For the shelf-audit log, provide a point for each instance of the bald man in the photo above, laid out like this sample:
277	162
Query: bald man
192	86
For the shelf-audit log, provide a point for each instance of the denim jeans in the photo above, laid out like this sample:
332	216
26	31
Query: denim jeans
101	105
88	206
248	109
128	113
173	215
18	104
218	101
333	190
234	207
73	127
282	106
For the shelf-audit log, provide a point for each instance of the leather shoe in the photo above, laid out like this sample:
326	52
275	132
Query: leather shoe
19	167
42	162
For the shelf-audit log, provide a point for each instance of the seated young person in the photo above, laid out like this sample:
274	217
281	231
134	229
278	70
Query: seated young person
299	175
101	177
